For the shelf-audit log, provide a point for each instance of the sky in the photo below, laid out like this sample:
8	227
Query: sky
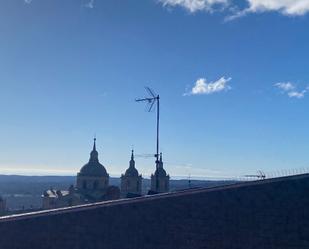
232	77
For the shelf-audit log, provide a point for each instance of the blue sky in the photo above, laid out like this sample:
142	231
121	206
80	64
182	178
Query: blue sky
232	75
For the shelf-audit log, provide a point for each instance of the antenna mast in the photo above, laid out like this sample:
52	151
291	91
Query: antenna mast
151	100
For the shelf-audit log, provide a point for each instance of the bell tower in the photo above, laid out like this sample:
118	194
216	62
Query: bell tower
131	181
160	180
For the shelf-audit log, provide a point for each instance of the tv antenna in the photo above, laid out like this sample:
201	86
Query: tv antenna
144	155
260	175
152	100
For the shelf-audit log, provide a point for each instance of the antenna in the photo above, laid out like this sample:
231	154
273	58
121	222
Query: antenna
151	100
260	175
144	155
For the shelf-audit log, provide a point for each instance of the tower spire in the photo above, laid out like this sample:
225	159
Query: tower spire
132	162
94	153
94	143
160	164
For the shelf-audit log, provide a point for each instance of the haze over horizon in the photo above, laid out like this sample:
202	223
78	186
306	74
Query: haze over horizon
232	76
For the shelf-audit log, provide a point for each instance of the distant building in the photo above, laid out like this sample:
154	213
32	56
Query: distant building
131	181
92	180
160	180
61	198
92	185
2	206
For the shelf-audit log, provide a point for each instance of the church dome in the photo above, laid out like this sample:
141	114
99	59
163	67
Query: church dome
93	167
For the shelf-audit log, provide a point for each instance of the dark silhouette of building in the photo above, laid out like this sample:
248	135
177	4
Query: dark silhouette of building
160	179
131	181
2	206
92	185
92	180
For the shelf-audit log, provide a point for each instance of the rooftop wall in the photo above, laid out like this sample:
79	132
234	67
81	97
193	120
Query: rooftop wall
269	214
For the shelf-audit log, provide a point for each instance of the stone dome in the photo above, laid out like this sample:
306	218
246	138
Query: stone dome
93	167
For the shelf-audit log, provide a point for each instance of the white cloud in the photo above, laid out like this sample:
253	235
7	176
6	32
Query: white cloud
203	87
28	1
195	5
286	7
233	10
290	89
295	94
286	86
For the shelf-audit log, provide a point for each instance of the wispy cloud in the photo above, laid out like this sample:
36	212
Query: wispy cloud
233	9
285	86
90	4
201	86
295	94
196	5
286	7
290	89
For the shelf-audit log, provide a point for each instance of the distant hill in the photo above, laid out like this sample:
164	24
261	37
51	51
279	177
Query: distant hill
25	191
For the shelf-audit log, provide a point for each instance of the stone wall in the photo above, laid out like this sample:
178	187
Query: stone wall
269	214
